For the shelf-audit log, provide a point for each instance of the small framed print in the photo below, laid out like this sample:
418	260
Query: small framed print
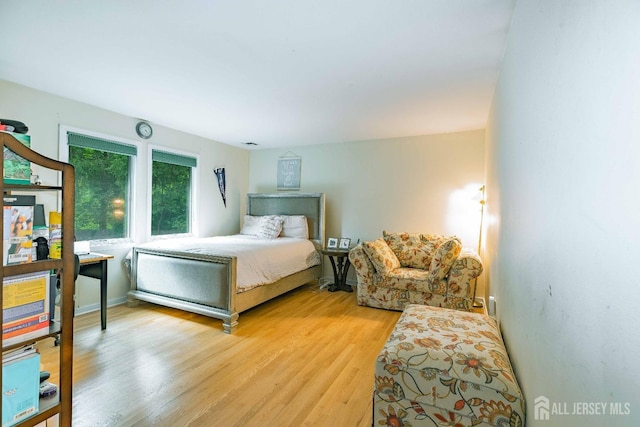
332	243
345	242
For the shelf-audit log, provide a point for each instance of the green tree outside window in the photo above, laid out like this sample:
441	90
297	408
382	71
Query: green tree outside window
102	193
170	199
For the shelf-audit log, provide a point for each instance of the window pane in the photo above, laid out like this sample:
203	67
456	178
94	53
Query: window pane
102	193
170	199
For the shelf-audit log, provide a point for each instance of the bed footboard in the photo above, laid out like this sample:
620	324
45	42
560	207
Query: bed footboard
202	284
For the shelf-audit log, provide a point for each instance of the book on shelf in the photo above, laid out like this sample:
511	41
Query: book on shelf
17	353
20	385
25	307
17	170
18	228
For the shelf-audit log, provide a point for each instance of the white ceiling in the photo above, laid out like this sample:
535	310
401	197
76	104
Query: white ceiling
274	72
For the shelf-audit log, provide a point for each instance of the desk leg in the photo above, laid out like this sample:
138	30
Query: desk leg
103	294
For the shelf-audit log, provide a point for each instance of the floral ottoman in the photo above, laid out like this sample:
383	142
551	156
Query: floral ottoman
443	367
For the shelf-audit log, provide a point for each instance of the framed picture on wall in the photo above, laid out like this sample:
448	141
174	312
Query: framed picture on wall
332	243
344	243
289	173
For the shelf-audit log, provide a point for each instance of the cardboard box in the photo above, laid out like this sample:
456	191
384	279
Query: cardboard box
25	307
18	229
17	170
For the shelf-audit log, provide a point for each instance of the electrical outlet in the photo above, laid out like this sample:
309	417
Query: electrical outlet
492	306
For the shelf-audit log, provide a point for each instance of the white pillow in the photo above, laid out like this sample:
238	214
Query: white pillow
294	226
270	227
251	225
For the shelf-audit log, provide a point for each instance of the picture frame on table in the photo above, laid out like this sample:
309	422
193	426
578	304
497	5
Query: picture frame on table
344	243
332	243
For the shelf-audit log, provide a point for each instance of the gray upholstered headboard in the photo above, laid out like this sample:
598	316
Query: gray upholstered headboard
310	205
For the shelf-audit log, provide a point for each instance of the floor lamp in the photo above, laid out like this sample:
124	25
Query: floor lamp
478	304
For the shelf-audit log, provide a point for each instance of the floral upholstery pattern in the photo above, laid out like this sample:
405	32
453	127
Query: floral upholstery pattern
413	250
398	284
445	367
381	256
444	257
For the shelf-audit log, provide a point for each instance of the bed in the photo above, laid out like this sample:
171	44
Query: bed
207	284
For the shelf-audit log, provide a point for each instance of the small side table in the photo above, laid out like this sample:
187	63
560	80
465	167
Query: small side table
340	262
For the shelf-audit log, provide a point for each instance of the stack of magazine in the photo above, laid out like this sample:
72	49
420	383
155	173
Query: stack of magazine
20	384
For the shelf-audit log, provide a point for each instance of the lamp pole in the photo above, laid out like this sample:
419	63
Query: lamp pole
478	304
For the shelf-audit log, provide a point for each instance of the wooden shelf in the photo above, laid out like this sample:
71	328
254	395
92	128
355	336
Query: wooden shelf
32	267
61	403
20	187
54	331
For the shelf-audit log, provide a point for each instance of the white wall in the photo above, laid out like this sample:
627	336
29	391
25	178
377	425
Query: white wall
411	184
43	113
563	150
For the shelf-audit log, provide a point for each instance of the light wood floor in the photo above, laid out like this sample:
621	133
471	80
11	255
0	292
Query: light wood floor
303	359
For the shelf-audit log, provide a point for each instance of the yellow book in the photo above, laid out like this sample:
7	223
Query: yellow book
25	307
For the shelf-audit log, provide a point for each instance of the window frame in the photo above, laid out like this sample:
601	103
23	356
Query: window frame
193	222
133	167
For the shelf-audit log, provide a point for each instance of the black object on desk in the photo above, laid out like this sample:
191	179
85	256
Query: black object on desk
340	262
95	266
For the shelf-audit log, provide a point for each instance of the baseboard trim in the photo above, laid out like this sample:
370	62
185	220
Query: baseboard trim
96	307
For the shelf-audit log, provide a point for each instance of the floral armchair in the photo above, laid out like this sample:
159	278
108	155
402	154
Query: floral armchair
402	268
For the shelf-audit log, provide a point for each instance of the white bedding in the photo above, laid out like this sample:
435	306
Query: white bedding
259	261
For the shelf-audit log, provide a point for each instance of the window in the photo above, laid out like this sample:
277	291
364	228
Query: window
103	186
171	193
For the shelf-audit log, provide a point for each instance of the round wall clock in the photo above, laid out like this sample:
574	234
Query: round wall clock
143	129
